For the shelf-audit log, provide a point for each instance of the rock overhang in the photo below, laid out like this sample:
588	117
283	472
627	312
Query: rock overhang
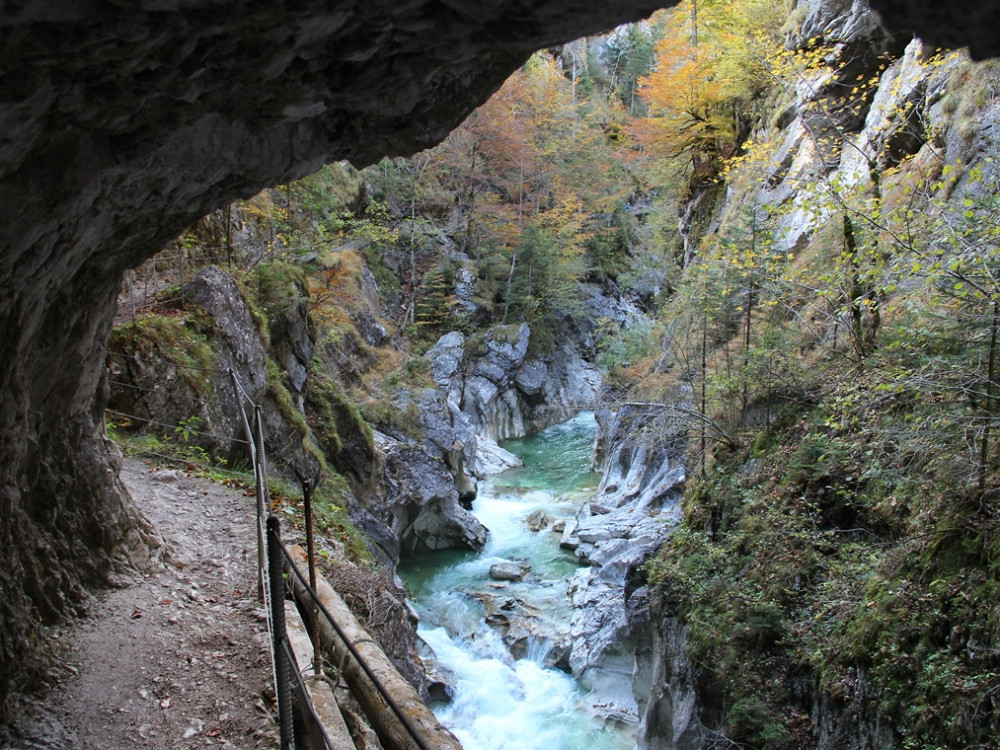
121	124
170	108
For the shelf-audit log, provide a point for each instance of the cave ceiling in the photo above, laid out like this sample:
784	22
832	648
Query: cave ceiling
124	122
121	123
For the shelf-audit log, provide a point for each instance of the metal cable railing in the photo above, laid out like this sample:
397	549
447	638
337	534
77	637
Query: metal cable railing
272	557
274	537
272	584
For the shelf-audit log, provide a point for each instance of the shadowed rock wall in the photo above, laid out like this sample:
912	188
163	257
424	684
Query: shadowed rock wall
122	123
957	23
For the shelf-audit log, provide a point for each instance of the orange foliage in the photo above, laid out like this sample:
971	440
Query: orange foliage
335	290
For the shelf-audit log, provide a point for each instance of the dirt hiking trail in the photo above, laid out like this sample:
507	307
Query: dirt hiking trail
177	658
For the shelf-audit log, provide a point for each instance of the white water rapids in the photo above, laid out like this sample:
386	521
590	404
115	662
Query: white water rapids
502	703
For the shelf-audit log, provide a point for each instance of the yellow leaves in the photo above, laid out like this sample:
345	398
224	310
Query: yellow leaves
698	76
565	220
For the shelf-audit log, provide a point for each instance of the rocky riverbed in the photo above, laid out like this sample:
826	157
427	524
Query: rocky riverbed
553	595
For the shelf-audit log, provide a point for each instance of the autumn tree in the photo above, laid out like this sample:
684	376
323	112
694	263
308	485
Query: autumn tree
709	68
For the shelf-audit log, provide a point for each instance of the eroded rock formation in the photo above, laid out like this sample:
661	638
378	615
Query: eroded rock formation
123	126
634	509
503	394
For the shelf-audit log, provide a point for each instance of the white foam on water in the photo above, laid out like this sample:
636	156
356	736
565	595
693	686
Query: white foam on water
500	705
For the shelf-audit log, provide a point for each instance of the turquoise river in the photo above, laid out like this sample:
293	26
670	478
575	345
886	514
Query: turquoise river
502	703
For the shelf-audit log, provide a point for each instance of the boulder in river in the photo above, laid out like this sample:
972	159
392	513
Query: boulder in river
538	520
509	570
421	502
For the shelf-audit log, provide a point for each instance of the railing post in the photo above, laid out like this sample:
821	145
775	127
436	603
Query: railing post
311	552
258	486
264	496
277	585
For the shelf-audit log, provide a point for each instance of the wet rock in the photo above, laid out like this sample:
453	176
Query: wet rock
635	507
534	636
538	520
444	524
559	654
673	716
492	459
503	395
509	571
420	501
569	539
451	438
440	681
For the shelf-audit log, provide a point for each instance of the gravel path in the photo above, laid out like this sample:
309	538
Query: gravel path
177	660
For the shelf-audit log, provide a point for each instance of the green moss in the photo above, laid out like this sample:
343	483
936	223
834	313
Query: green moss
278	286
179	339
332	497
391	416
329	502
278	392
848	553
332	411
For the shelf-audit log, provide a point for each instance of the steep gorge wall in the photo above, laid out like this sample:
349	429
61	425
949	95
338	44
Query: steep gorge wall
916	112
123	126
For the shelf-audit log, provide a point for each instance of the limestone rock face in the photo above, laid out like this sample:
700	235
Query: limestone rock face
503	394
635	508
674	718
445	358
145	384
420	507
642	468
843	20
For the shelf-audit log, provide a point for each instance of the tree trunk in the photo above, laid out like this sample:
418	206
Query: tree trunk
704	390
984	449
510	280
857	292
694	23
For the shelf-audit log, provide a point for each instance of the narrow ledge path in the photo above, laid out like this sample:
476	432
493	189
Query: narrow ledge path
179	657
